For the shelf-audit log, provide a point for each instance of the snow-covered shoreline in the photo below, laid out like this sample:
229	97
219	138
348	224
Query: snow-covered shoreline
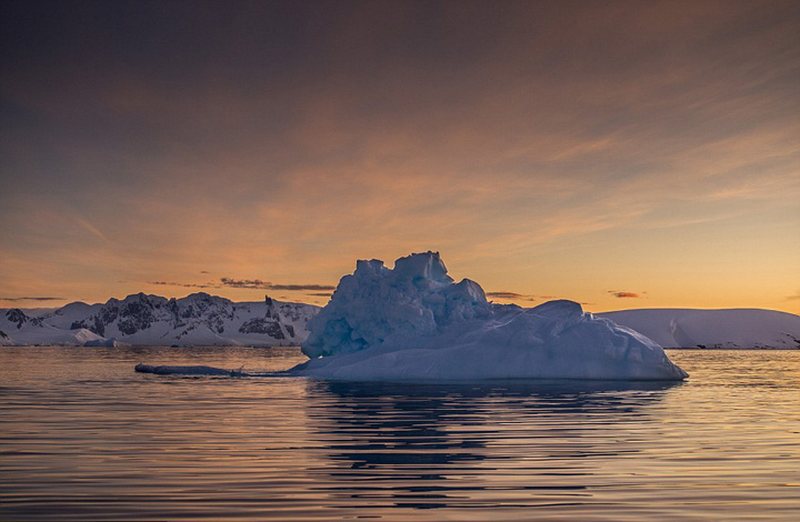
199	319
195	321
740	328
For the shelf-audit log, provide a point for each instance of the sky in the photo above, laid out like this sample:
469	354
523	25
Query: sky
619	154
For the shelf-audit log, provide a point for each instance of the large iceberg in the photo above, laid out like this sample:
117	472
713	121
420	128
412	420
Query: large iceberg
415	322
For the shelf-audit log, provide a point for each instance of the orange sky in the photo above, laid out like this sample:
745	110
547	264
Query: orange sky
620	154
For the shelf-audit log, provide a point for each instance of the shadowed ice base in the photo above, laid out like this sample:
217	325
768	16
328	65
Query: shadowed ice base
517	385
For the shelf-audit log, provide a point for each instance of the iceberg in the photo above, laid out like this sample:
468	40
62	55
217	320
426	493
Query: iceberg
414	322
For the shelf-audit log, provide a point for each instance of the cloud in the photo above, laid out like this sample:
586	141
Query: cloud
258	284
302	287
86	225
623	294
517	296
795	296
184	285
36	298
251	284
504	295
664	116
245	283
319	294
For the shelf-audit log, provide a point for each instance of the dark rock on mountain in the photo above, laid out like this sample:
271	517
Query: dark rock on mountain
15	315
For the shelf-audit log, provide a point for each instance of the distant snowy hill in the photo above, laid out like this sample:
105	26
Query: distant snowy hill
203	320
140	319
735	328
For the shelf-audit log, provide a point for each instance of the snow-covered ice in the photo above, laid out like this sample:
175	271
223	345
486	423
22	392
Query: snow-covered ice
415	322
733	328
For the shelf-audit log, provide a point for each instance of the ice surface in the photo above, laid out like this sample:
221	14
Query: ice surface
415	322
111	342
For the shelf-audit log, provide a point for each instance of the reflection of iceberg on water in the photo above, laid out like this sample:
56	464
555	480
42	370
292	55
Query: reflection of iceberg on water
414	322
446	445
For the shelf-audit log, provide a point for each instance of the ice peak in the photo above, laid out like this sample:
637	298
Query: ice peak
417	297
426	265
369	267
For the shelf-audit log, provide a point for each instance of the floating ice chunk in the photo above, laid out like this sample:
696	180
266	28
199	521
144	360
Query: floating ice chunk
188	370
110	342
415	322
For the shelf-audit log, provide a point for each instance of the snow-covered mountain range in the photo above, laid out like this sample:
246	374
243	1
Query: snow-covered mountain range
202	320
734	328
196	320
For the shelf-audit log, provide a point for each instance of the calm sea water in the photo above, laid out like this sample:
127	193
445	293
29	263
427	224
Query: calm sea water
83	437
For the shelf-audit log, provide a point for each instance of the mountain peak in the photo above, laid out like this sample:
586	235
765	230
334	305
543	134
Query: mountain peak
196	319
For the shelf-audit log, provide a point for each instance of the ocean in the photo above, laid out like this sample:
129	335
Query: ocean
83	437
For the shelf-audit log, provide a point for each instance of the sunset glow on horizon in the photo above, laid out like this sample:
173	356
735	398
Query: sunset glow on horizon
622	158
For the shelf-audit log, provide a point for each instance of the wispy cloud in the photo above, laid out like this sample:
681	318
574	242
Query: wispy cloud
510	296
250	284
625	295
184	285
795	296
258	284
505	295
89	227
668	123
515	296
32	298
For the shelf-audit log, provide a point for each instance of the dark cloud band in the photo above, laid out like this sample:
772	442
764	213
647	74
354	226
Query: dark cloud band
518	296
623	295
184	285
35	298
250	284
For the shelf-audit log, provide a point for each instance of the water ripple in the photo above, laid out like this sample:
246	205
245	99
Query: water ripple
84	438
